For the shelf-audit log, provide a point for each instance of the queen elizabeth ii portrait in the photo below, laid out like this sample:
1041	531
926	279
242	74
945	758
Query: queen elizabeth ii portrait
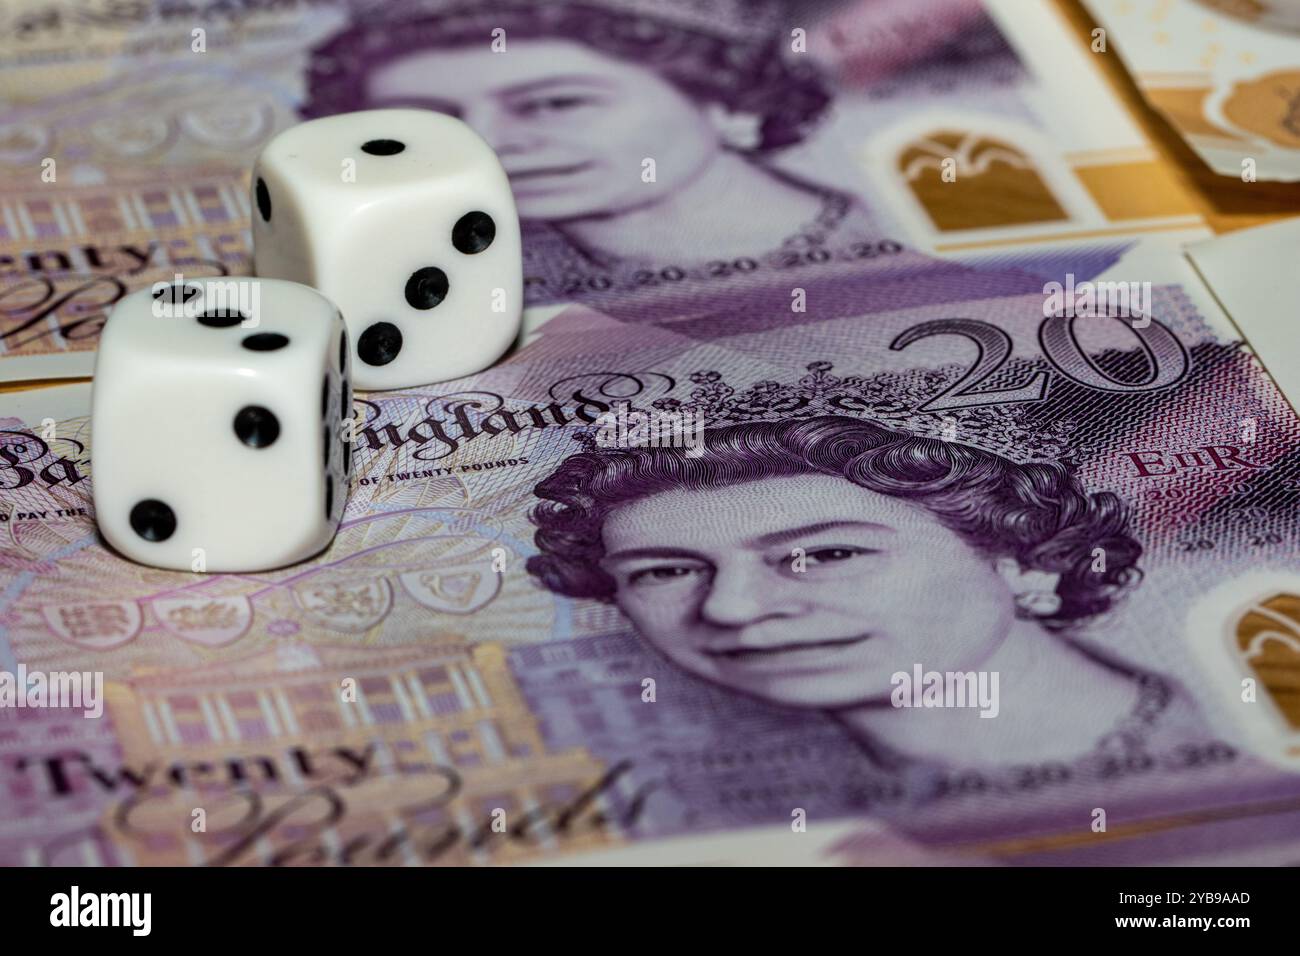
805	562
575	98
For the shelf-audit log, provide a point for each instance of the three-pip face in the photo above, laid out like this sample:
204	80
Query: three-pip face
404	218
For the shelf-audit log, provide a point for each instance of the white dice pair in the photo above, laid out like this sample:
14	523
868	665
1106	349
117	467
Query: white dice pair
403	218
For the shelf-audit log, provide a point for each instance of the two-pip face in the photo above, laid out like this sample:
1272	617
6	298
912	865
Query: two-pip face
405	220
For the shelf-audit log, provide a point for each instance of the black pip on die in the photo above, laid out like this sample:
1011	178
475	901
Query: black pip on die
218	424
405	219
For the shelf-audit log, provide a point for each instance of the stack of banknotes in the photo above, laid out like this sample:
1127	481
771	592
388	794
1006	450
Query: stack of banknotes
894	469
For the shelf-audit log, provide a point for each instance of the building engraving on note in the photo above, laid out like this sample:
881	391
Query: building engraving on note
406	769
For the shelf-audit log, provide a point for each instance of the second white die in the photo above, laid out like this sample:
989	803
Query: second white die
217	425
405	219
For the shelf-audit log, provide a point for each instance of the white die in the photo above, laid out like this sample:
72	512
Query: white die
217	424
405	219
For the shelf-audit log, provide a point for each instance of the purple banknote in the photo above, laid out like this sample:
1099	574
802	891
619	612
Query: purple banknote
1006	574
661	152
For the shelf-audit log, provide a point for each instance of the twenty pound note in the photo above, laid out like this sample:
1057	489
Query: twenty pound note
988	573
658	152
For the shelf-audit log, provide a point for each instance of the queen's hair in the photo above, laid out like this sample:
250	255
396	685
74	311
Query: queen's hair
747	76
1035	513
